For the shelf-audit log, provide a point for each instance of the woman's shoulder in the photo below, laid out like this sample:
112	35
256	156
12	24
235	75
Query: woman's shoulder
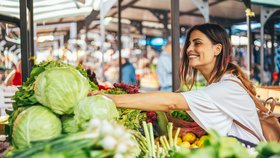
225	85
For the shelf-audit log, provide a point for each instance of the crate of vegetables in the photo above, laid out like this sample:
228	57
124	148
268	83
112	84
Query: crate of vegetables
181	119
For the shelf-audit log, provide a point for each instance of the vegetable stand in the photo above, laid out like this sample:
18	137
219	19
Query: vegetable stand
53	117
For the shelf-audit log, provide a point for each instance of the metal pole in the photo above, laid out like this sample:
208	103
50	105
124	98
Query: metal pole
31	34
175	34
272	45
165	24
266	13
102	35
262	51
25	39
249	47
119	39
35	37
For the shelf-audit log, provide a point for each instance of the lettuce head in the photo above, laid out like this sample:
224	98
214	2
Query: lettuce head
61	89
33	124
98	106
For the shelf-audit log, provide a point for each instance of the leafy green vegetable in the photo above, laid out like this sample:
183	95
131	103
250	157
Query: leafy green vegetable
79	153
98	141
69	125
25	95
162	123
268	150
35	123
25	98
12	118
97	106
132	119
181	114
61	89
221	147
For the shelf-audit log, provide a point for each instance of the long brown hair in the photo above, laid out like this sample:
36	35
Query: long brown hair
217	35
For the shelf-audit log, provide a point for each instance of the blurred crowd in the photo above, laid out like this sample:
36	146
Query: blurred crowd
149	68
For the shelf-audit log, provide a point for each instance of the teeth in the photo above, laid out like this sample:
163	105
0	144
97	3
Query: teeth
193	56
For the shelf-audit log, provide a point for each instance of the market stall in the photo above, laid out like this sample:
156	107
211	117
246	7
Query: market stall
53	116
56	112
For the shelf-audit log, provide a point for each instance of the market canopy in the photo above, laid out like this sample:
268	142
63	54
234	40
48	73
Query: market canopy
150	14
46	10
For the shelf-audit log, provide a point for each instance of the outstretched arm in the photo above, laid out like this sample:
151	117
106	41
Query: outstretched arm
151	101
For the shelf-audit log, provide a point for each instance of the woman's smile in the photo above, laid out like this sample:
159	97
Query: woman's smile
193	56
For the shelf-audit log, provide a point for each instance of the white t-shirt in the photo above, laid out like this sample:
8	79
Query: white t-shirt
215	107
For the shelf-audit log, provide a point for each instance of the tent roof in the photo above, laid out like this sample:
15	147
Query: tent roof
224	12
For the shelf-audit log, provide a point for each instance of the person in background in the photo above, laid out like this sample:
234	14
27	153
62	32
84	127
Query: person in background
15	77
221	103
275	79
266	76
2	75
128	70
257	73
164	68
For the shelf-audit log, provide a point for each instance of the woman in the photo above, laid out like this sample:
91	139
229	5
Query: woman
207	49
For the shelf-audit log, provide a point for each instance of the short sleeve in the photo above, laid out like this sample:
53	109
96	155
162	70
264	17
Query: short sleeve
205	112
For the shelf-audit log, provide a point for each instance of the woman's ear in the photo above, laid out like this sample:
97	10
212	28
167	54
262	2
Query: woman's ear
218	49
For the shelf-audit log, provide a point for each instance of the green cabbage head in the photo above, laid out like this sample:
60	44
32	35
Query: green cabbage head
61	89
97	106
33	124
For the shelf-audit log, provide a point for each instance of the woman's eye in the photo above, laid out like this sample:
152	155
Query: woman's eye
197	43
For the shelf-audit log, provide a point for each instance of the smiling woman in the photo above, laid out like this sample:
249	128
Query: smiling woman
207	49
202	53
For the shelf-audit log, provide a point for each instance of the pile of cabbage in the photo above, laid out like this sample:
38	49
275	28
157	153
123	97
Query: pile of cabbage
53	101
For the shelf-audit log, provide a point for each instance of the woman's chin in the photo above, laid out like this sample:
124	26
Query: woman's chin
192	65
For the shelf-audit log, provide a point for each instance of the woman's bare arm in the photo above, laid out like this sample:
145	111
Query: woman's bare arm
151	101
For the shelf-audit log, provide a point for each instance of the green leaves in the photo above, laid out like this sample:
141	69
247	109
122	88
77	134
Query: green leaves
221	147
267	150
132	119
181	114
25	97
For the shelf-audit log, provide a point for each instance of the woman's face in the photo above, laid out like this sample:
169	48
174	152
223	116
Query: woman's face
201	52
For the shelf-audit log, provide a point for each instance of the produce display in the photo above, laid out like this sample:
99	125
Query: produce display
214	146
25	97
53	90
54	117
186	126
132	119
97	141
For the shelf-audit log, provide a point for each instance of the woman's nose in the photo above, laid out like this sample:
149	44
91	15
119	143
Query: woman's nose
190	48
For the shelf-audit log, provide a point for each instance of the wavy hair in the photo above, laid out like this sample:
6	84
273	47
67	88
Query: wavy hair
217	35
